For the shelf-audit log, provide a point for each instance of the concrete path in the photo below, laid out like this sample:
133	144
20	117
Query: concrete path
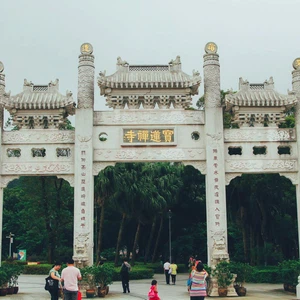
32	287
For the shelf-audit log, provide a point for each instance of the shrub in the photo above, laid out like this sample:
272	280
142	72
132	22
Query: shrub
289	271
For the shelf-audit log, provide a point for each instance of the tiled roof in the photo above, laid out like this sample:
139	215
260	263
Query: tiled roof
259	95
40	97
149	76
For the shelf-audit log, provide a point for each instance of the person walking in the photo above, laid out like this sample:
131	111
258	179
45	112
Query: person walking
197	288
153	293
167	271
70	276
173	268
54	274
124	272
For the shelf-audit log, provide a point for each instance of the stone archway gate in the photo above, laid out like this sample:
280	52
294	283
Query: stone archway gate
163	130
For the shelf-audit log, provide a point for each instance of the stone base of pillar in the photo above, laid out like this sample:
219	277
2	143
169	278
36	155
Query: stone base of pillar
298	289
213	288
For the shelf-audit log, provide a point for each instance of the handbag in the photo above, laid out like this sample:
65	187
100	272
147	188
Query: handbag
49	284
79	296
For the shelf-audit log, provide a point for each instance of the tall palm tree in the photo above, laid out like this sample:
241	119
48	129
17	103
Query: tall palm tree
105	184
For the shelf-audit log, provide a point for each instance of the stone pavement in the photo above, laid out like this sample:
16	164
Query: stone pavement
32	287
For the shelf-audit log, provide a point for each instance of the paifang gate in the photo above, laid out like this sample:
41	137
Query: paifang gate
155	126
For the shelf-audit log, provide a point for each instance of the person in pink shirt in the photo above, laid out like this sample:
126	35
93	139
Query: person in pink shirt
70	276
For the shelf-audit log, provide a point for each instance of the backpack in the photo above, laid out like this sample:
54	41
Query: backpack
124	269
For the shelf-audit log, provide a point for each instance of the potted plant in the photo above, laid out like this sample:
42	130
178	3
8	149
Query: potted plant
103	277
243	271
289	270
224	277
88	281
4	278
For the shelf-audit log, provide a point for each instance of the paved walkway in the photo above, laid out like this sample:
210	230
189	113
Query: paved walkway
32	287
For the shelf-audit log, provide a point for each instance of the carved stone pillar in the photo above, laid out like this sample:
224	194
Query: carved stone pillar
86	73
215	176
84	180
2	91
296	89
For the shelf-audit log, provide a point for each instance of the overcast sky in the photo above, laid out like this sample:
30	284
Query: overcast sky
40	40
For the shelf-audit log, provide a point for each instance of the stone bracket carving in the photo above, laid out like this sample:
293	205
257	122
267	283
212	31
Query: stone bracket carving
68	178
293	177
99	166
5	180
230	176
199	165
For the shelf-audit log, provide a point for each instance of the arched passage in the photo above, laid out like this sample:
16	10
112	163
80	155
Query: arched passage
140	200
39	210
262	218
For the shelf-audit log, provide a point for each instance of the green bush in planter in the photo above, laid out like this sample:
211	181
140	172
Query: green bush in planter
98	275
4	278
290	270
223	274
242	270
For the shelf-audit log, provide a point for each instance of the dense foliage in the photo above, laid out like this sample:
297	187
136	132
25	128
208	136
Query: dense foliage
132	203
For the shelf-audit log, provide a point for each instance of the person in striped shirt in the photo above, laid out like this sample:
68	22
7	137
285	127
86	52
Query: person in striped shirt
198	283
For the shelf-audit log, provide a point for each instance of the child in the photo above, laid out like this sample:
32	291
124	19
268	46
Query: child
153	293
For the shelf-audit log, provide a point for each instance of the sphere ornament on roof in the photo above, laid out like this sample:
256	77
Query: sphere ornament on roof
1	67
296	63
211	47
86	48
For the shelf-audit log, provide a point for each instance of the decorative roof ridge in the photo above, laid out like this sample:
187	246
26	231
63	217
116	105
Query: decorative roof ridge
259	94
40	96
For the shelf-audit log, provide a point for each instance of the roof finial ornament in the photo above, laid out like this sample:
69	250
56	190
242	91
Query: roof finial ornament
102	74
121	62
175	61
296	64
54	83
211	48
86	48
1	67
196	73
27	83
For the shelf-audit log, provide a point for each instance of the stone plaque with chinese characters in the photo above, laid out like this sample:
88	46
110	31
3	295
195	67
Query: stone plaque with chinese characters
148	136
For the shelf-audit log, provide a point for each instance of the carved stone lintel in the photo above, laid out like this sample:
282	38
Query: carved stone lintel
36	168
127	117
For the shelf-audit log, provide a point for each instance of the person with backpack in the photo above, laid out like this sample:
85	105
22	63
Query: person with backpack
124	272
55	276
153	293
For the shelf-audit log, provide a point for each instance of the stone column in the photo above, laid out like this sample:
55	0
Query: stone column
215	165
2	91
296	89
84	180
